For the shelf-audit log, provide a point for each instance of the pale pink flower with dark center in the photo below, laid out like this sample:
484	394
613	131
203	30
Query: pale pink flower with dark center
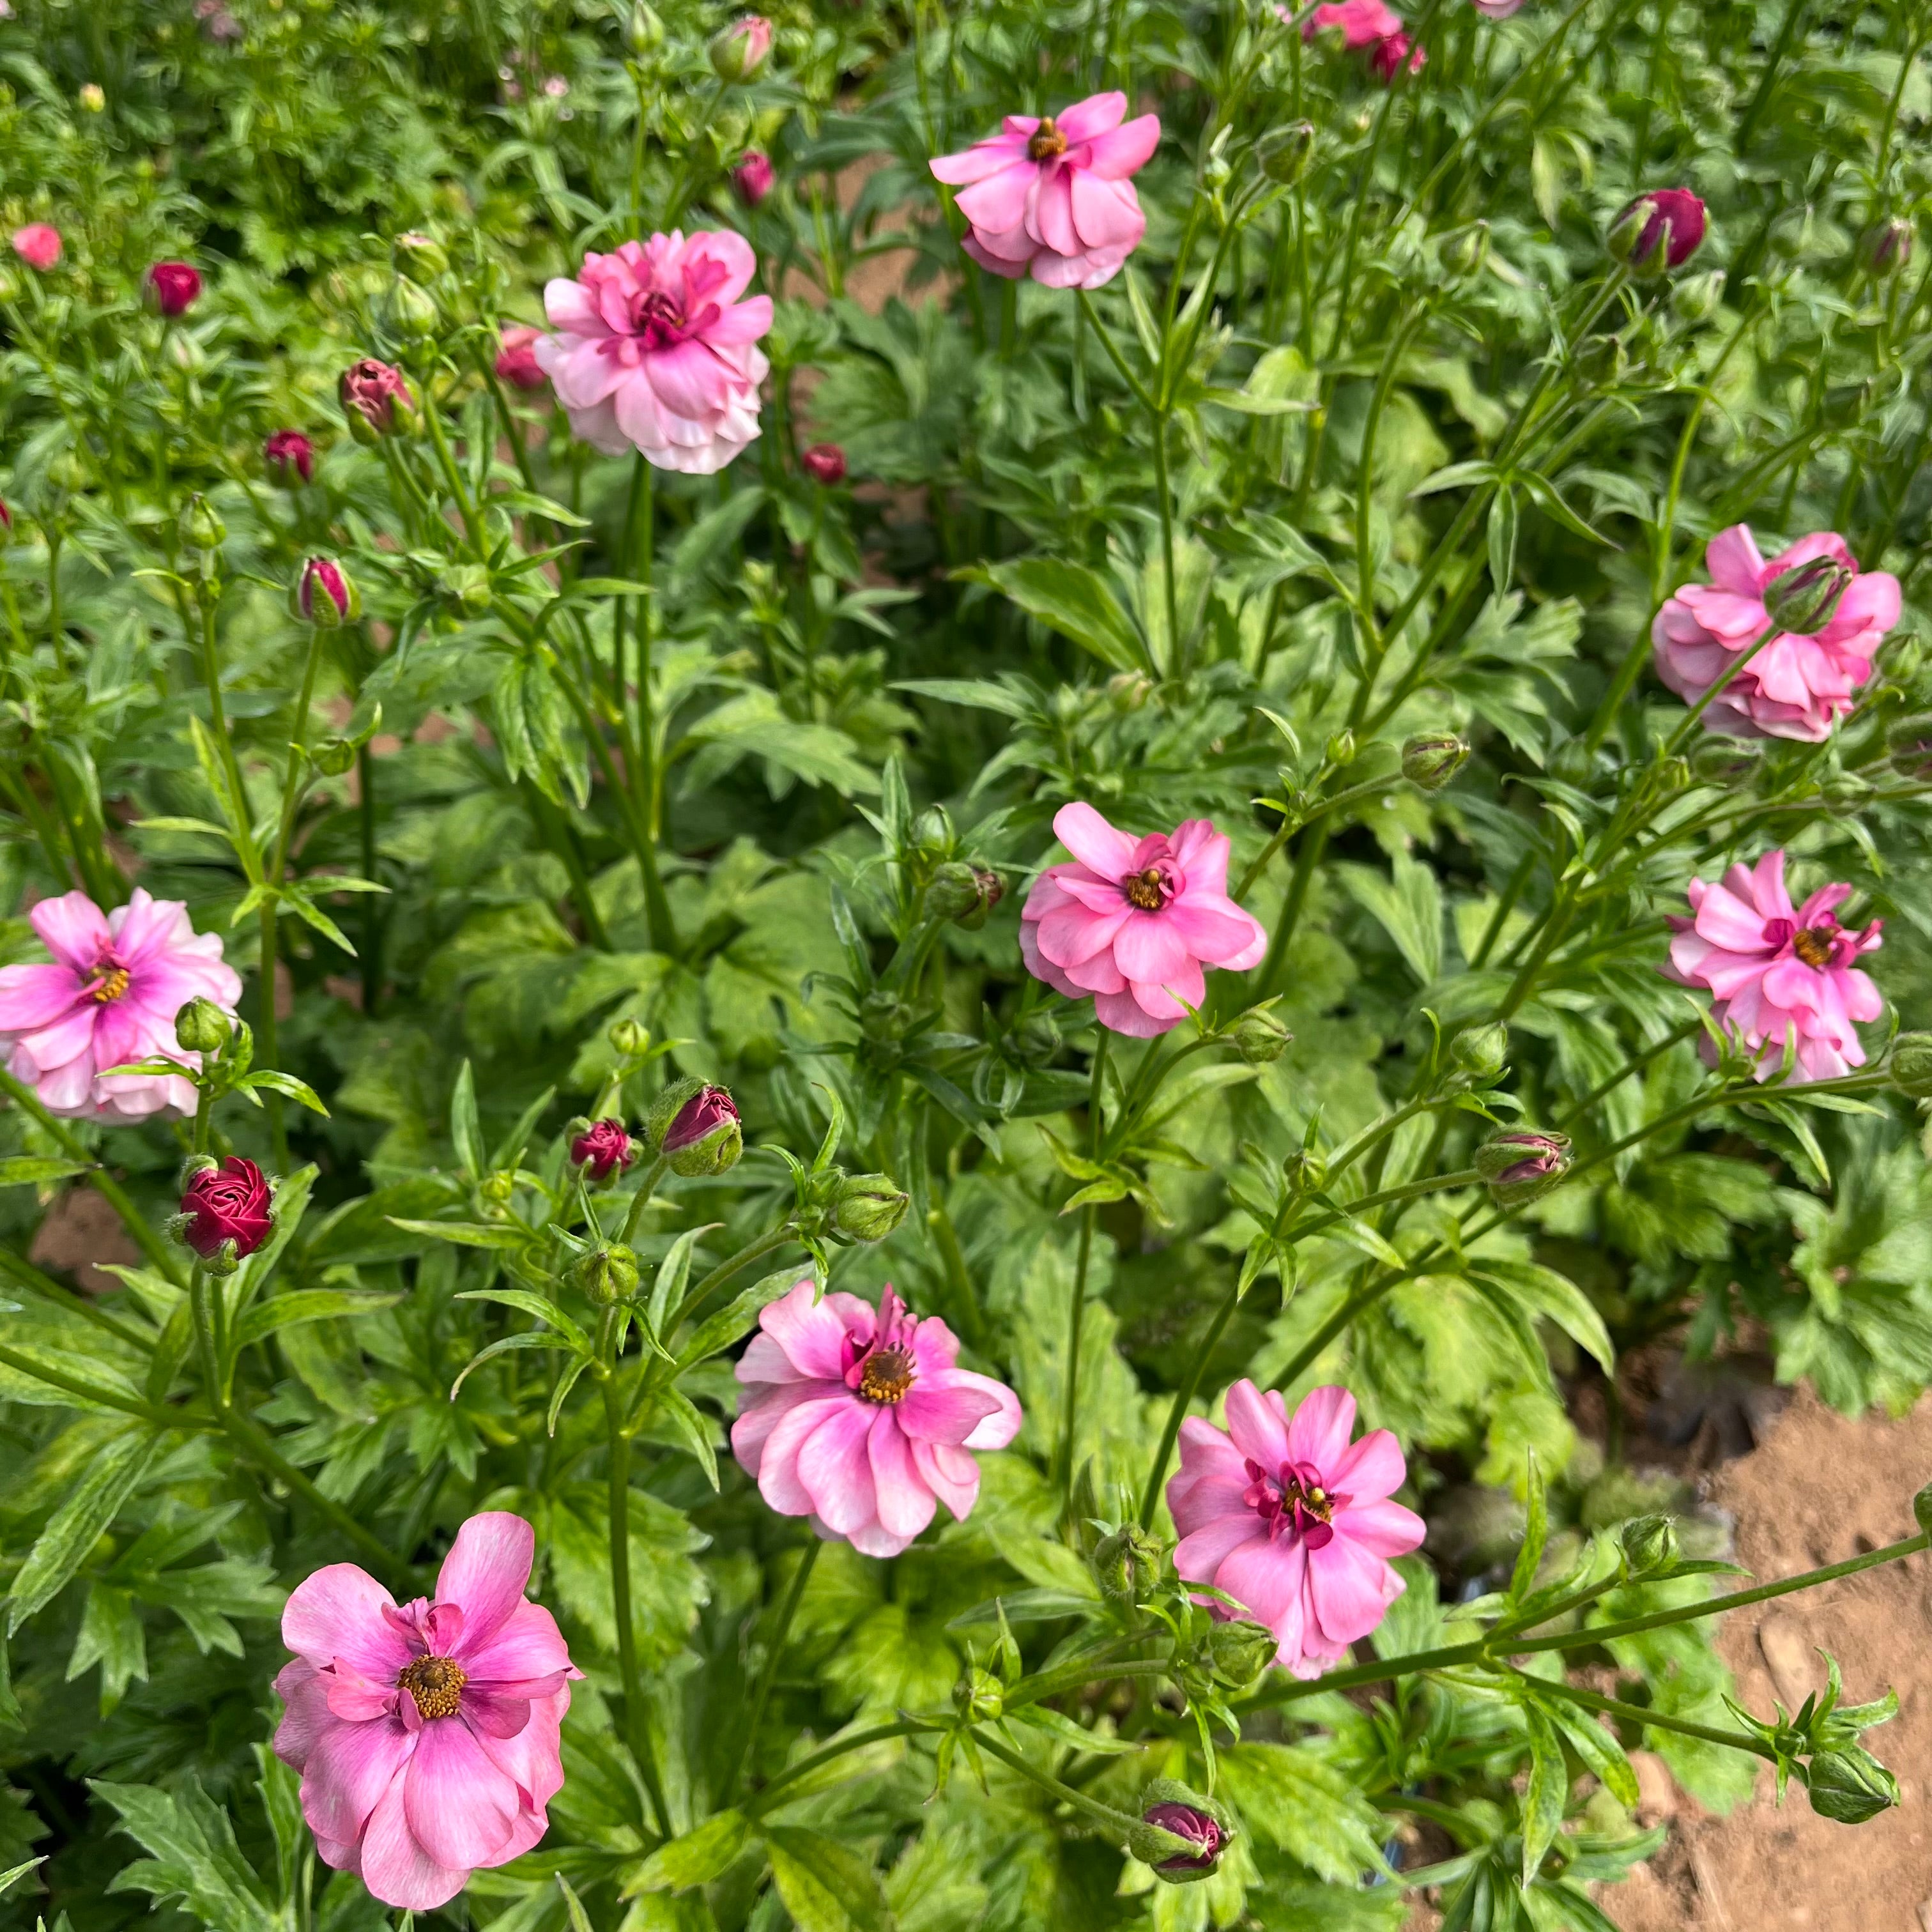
863	1421
1777	972
655	351
1292	1521
1803	681
1051	198
426	1736
119	979
1133	923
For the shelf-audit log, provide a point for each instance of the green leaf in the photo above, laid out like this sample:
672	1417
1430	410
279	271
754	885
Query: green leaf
730	1324
306	1304
1072	599
466	1132
467	1233
1408	907
700	1855
13	1875
1297	1801
692	1428
111	1637
298	1090
826	1886
1548	1794
195	1862
1536	1533
540	1306
1555	1298
73	1529
27	1170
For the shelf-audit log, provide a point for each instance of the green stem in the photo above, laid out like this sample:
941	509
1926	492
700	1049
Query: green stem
775	1655
1116	1825
372	924
642	1199
724	1270
30	1280
1655	1720
1183	1397
1176	662
1075	1314
772	1795
958	1278
639	1736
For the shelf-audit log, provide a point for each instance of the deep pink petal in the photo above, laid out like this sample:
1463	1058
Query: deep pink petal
1257	1425
485	1573
396	1868
1320	1431
31	996
71	927
1200	1554
1087	120
1735	561
1383	1528
459	1805
905	1504
1369	1469
1091	840
1122	152
337	1611
1264	1578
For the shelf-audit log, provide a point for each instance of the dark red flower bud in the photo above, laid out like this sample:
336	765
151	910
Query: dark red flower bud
1658	231
376	400
173	288
752	178
230	1202
517	359
291	456
703	1136
824	462
603	1149
1184	1822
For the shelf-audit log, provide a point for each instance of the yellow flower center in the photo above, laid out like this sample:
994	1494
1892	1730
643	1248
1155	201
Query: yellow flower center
1812	944
1144	890
1047	141
112	985
888	1375
437	1684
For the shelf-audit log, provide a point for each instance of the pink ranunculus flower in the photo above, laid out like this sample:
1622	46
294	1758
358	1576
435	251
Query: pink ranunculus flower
1293	1521
516	357
38	245
1777	972
119	979
1802	683
1051	198
654	350
1370	24
426	1736
1497	10
1133	923
862	1421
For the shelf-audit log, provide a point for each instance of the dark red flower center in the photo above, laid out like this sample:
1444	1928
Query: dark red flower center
657	317
1293	1503
435	1684
1047	141
888	1375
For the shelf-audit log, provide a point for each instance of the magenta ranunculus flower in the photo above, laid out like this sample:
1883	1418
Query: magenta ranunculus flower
377	399
1829	617
38	245
426	1736
230	1201
824	462
862	1421
111	997
1370	24
1133	923
517	360
603	1149
752	178
291	456
1777	973
1293	1521
1052	198
1658	231
172	288
655	351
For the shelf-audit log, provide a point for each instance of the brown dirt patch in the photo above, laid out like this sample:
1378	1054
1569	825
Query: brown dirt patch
79	1230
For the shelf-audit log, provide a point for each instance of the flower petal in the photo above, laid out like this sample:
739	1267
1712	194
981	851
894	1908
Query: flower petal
485	1573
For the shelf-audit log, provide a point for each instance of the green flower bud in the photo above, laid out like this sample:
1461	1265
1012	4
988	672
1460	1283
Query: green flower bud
334	756
497	1188
1035	1040
1463	251
1803	599
631	1038
884	1017
1850	1785
979	1697
325	594
866	1208
1482	1050
1239	1652
703	1137
1523	1164
1696	298
1921	1509
1127	1563
605	1274
1341	749
740	50
1307	1173
953	891
467	586
201	528
1908	745
410	311
932	834
1283	154
1910	1065
201	1027
1432	759
644	32
1259	1038
1649	1544
422	255
1885	247
989	888
1602	360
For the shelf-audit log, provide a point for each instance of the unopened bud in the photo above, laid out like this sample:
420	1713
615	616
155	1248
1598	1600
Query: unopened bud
422	255
1259	1038
498	1188
1035	1040
606	1273
1908	744
1649	1544
1463	251
600	1149
867	1207
1658	232
1697	298
1481	1050
411	312
467	586
1921	1510
979	1697
376	400
1341	749
630	1038
1305	1172
1283	154
1522	1165
1240	1650
1885	247
201	528
1127	1563
334	756
1172	1809
1910	1065
325	596
1433	758
740	50
823	462
704	1136
201	1027
953	890
1803	599
1850	1785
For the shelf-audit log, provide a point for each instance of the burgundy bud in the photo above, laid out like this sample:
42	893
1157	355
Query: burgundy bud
376	400
603	1149
6	525
325	596
824	462
516	359
229	1202
1523	1164
752	178
173	288
703	1137
1185	1822
290	456
1658	231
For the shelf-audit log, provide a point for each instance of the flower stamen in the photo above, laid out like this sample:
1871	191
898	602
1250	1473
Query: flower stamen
1813	944
1047	141
435	1684
1144	890
888	1376
112	985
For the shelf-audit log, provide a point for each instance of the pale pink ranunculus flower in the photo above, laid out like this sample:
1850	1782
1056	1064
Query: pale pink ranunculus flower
1370	24
426	1736
1292	1521
1133	922
38	244
1778	972
1798	686
1051	198
655	351
119	979
1497	10
862	1420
